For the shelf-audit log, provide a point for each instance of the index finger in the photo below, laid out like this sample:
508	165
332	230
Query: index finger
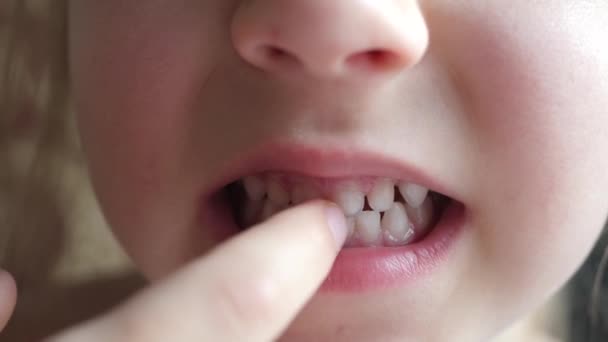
249	288
8	297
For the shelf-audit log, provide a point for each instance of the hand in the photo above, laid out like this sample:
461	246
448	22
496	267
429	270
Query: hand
8	297
248	289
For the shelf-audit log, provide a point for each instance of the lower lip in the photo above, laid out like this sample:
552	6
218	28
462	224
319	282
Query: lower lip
366	269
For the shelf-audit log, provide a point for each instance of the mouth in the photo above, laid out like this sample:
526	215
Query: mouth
380	212
401	222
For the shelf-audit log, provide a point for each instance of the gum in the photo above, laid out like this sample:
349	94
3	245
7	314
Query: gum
325	186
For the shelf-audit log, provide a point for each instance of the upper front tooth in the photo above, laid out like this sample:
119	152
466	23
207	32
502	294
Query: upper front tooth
254	187
277	193
350	225
349	198
382	195
301	193
413	194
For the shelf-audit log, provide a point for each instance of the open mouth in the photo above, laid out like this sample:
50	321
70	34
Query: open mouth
404	223
380	212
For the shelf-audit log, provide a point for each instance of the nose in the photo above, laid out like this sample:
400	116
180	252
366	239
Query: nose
330	38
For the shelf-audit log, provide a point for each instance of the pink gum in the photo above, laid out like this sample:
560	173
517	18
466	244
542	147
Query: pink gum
325	186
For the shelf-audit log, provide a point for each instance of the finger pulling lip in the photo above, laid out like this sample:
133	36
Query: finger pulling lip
355	269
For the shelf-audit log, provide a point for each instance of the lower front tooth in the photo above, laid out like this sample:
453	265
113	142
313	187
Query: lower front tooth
350	224
396	226
367	227
422	216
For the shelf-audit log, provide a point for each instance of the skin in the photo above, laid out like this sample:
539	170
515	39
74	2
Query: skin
220	297
8	297
503	101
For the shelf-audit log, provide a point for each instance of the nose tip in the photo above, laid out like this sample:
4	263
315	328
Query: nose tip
329	39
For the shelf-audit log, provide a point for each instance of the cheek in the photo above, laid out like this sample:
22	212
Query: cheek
129	97
135	85
537	99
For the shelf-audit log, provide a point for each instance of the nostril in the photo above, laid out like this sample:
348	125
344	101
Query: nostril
376	60
275	52
276	56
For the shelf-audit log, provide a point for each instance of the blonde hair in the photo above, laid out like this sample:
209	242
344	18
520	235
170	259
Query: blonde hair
36	133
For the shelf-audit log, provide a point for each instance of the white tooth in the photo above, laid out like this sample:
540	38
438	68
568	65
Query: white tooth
350	224
301	193
254	187
277	193
382	195
367	226
251	211
396	226
414	194
421	217
349	198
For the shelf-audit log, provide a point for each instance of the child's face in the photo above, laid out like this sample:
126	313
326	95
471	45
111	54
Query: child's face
500	105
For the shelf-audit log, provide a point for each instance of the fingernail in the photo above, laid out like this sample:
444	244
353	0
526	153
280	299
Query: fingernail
337	224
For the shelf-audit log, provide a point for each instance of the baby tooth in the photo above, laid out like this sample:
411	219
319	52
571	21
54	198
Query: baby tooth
277	193
421	217
254	187
396	226
350	224
414	194
349	198
302	193
382	195
367	226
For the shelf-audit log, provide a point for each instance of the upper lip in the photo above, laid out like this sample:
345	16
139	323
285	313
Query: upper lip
322	161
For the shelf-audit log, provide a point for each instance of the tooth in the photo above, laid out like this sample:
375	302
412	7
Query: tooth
301	193
269	209
382	195
277	193
414	194
421	217
350	224
367	225
351	240
251	211
254	187
396	226
349	198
